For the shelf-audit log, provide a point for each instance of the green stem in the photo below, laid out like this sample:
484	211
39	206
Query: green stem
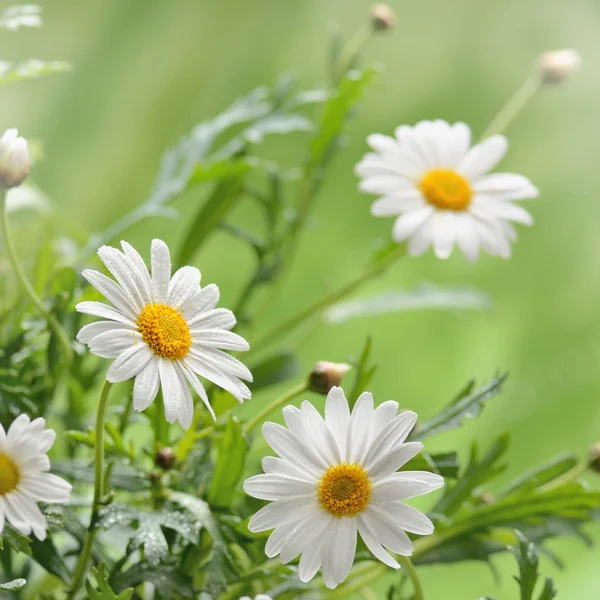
57	328
412	575
283	399
514	106
353	49
88	544
375	269
567	477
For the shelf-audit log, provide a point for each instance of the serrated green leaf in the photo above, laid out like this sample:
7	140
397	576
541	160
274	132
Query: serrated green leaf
477	473
223	199
274	369
467	407
104	591
150	537
549	592
229	466
528	567
535	478
13	586
424	297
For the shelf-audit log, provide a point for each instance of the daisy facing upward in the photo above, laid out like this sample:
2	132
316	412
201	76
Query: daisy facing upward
437	186
162	330
337	478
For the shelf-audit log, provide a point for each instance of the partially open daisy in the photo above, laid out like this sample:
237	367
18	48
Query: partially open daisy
163	331
24	476
438	188
336	477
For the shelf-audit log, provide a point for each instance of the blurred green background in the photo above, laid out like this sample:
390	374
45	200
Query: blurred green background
146	71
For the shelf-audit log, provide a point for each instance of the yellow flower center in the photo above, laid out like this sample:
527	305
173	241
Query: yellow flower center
344	490
165	330
9	474
446	189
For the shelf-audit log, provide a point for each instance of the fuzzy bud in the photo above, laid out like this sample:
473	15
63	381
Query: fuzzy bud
14	159
383	17
326	375
594	458
165	458
555	66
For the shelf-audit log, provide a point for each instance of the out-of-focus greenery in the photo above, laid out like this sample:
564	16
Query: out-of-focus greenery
145	72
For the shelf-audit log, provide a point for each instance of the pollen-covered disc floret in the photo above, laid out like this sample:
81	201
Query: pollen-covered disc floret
438	188
164	331
337	478
24	476
344	490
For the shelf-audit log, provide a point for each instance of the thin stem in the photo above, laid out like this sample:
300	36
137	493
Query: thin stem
57	328
565	478
514	106
88	544
412	575
353	49
283	399
375	269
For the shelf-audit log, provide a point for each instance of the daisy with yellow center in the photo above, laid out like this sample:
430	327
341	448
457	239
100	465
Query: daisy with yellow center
24	476
438	188
163	330
336	478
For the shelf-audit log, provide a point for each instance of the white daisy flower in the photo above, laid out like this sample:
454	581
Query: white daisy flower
336	477
438	187
163	330
24	477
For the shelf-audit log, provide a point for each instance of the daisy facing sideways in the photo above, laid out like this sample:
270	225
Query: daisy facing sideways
439	189
337	478
162	330
24	476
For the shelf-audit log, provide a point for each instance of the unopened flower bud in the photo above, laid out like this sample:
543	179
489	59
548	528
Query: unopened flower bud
382	17
326	375
14	159
557	65
594	458
165	458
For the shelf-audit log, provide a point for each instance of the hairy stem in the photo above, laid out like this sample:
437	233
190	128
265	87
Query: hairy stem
88	543
55	326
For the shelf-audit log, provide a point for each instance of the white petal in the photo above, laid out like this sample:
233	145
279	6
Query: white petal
278	487
112	344
398	203
161	270
185	413
408	518
218	338
172	389
343	547
197	387
466	237
406	484
29	512
392	461
509	185
483	157
272	464
394	433
382	415
140	272
146	385
359	428
278	537
223	379
118	264
129	364
373	544
310	561
98	309
409	223
46	487
112	292
197	307
312	445
388	533
306	532
219	318
513	212
278	513
184	285
384	184
382	143
337	417
444	233
88	332
315	424
421	239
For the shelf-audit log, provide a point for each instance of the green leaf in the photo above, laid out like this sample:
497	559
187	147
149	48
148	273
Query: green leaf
46	555
21	15
224	197
535	478
217	170
150	537
13	586
444	464
424	297
465	407
364	372
549	590
104	591
17	541
229	467
335	114
169	582
30	69
275	369
477	473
